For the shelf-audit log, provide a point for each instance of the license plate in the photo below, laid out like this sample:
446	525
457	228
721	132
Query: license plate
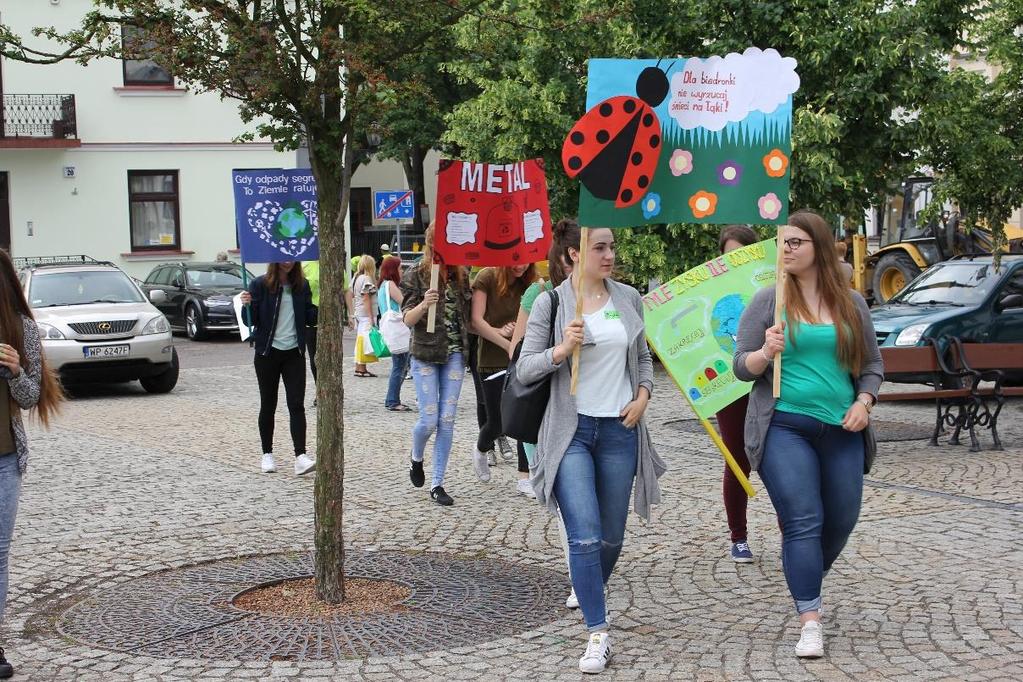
121	351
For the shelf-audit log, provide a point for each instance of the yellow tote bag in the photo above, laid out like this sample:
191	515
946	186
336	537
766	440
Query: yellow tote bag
361	357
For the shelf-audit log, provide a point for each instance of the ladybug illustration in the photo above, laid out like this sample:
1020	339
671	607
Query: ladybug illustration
613	149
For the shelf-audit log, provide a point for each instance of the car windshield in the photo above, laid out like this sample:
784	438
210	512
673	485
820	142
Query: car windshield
216	277
961	283
78	288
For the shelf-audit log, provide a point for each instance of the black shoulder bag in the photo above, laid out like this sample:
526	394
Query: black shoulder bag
523	405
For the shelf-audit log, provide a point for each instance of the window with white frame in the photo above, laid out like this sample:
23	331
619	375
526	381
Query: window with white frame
153	210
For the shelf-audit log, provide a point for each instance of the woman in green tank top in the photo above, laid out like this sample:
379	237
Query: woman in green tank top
809	444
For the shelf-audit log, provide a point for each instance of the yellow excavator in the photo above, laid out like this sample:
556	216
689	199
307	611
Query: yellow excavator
909	245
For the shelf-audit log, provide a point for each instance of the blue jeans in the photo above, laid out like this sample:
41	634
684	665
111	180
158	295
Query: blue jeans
10	487
814	474
437	389
399	363
592	488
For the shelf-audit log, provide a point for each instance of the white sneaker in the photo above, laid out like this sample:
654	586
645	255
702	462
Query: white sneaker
303	464
811	640
480	465
525	487
268	466
491	458
598	653
572	602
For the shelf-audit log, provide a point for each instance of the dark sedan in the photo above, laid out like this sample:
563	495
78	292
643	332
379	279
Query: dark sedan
199	296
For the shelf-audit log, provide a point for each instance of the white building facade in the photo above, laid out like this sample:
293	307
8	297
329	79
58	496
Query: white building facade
117	161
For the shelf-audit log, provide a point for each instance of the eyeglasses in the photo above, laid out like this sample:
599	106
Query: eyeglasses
793	243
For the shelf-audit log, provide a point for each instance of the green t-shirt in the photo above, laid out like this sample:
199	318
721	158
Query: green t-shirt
531	294
500	311
813	382
311	270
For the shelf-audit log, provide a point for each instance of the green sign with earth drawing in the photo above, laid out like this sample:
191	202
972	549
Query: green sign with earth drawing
693	320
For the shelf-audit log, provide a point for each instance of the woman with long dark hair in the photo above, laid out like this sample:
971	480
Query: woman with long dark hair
26	383
389	297
595	444
812	445
281	309
438	361
496	293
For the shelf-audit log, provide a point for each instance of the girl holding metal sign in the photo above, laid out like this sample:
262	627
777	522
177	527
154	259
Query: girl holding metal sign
496	293
813	444
593	445
438	360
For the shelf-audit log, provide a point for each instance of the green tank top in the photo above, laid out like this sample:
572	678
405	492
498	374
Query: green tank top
813	382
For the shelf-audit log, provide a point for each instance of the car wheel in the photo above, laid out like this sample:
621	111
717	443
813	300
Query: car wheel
194	327
891	275
165	381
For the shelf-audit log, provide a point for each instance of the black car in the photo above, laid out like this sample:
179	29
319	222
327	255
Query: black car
199	296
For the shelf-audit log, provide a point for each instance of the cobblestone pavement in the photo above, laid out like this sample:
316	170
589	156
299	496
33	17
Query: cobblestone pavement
128	484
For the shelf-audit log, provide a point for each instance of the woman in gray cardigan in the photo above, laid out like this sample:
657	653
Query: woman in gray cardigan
813	445
592	445
25	384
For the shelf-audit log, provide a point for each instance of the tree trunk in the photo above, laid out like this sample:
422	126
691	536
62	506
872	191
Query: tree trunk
413	165
330	459
330	155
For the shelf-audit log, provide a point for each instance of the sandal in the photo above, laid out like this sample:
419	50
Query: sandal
400	408
364	373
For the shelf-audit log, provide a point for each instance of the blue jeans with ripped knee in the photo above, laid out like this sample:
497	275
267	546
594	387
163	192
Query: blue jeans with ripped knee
592	488
437	389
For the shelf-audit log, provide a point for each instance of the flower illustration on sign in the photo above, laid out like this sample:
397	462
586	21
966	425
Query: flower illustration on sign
651	205
681	162
770	206
703	204
776	163
729	173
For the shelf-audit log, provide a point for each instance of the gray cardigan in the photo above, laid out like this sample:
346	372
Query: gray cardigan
25	387
756	319
561	420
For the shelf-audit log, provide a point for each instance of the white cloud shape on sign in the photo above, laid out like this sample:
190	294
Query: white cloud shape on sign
533	226
711	93
461	228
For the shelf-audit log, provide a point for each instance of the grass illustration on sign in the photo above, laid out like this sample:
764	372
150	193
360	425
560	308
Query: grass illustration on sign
685	140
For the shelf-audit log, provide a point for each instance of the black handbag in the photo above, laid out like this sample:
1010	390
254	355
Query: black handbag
523	405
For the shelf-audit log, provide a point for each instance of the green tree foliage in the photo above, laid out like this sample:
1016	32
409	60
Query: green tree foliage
863	66
974	126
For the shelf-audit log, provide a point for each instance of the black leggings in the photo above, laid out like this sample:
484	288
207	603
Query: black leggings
290	365
481	407
492	400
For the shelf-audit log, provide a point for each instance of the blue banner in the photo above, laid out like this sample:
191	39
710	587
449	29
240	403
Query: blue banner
276	215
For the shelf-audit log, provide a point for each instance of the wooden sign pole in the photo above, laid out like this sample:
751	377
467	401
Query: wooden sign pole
779	301
580	268
431	314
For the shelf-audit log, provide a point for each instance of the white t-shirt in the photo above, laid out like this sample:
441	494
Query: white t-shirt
604	384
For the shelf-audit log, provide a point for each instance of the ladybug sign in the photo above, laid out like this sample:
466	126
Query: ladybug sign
684	140
492	214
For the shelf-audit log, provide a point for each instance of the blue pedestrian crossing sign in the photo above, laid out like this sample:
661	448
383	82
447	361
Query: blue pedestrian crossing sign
393	204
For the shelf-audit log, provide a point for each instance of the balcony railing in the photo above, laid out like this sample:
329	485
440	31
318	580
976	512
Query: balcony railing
50	116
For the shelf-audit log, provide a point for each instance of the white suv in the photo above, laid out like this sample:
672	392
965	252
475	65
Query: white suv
96	325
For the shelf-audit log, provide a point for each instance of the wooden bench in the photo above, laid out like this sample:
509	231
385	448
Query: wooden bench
988	362
955	377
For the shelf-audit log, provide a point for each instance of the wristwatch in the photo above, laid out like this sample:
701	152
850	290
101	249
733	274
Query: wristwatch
867	403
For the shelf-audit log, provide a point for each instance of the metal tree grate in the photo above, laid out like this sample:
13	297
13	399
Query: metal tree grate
187	612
